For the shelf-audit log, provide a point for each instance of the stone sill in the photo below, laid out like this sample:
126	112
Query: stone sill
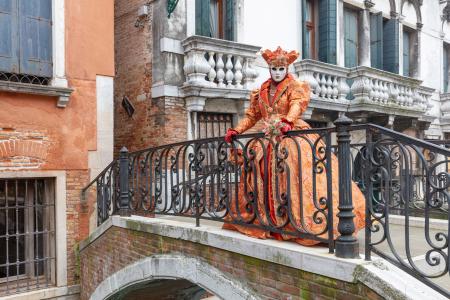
48	293
390	108
378	274
189	90
62	93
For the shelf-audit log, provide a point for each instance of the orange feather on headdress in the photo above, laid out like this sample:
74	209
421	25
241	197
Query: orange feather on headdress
279	57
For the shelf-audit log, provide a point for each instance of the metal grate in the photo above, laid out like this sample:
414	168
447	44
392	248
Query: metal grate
23	78
213	124
27	235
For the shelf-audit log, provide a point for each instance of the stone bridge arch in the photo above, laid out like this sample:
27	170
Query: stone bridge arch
172	267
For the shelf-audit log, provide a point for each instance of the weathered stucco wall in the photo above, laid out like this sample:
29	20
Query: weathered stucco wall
37	136
68	132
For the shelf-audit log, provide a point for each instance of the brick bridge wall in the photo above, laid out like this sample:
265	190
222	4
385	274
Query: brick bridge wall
118	247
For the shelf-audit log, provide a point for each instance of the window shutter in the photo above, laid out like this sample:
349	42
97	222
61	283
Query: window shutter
327	31
9	58
376	40
305	40
406	45
351	38
229	20
391	46
202	12
445	69
35	19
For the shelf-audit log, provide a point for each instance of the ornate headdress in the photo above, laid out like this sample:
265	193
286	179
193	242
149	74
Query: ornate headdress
279	57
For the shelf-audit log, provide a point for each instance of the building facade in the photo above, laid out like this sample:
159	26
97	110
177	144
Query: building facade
56	128
185	68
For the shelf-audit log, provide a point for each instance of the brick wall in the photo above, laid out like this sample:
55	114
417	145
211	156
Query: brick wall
77	221
133	54
103	257
23	148
155	121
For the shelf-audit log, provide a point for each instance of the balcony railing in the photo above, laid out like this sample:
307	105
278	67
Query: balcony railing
363	88
219	64
210	179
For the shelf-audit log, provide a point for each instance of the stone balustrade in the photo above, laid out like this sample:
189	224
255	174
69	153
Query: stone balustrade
445	105
328	82
363	88
219	63
373	86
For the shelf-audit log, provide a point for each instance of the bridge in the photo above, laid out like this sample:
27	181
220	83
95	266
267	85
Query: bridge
160	213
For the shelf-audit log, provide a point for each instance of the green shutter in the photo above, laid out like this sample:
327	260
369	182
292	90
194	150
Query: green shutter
305	40
229	20
406	53
327	31
351	38
391	46
376	40
202	26
445	69
9	58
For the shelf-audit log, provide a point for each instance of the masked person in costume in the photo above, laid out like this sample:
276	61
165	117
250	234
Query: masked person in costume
295	198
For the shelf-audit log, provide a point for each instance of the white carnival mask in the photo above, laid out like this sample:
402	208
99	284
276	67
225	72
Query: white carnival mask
278	73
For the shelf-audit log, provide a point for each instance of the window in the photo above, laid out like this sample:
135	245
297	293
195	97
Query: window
376	40
26	35
213	124
327	31
27	246
319	28
351	43
215	18
309	30
406	53
384	43
446	68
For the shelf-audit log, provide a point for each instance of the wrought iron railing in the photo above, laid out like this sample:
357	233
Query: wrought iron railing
405	182
205	178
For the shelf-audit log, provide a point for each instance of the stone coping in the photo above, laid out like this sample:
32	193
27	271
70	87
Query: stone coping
419	222
378	274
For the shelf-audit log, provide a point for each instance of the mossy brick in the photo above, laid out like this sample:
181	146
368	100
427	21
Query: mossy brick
343	295
287	288
322	280
371	295
322	290
277	281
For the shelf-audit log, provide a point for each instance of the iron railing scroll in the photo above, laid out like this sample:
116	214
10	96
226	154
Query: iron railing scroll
395	166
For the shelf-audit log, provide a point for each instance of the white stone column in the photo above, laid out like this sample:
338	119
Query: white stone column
364	35
58	36
193	105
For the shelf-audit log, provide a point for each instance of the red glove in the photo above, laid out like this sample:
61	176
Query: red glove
231	134
287	127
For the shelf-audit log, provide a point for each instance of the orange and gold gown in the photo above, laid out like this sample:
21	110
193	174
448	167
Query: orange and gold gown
289	102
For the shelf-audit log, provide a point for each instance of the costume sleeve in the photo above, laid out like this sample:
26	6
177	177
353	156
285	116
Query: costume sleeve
252	114
299	96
